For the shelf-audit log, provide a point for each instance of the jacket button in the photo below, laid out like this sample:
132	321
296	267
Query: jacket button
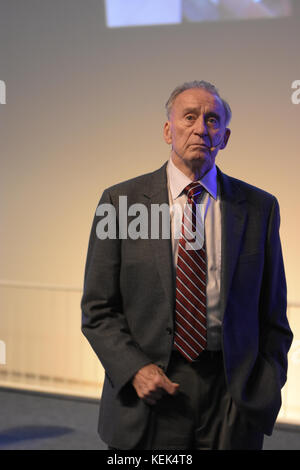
169	331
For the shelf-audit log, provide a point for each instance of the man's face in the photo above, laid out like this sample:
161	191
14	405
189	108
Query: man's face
196	130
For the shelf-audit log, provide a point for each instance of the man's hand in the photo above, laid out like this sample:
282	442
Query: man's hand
151	383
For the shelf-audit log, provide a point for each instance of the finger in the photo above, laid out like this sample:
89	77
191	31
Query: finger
175	388
170	387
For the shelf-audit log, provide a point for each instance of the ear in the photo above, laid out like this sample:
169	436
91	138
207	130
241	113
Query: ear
167	132
226	138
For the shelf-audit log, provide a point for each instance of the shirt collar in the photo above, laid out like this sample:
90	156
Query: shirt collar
178	180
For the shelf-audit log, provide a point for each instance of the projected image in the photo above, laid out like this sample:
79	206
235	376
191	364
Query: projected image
120	13
214	10
142	12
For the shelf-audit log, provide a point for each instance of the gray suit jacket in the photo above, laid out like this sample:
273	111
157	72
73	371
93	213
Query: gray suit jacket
129	295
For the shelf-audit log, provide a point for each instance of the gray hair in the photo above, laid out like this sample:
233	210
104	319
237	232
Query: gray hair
198	84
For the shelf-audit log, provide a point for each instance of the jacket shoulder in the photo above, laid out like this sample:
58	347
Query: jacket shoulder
137	182
251	192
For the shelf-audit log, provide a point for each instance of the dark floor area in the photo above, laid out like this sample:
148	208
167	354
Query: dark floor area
34	421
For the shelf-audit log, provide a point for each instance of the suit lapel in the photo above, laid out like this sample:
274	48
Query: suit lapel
233	220
157	193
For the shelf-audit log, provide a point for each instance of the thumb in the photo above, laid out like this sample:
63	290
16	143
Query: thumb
170	387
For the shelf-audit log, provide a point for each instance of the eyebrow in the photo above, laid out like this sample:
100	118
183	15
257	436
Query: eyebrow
213	114
207	115
190	110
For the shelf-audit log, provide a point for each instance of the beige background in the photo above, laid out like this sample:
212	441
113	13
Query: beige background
85	109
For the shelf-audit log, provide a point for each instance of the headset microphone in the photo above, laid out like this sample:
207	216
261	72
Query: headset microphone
214	147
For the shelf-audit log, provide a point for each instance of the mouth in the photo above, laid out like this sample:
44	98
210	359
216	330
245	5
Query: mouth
199	146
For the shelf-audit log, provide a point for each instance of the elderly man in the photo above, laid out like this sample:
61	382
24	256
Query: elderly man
193	340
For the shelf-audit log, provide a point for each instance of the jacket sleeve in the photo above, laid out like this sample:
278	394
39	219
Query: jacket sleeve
103	319
276	335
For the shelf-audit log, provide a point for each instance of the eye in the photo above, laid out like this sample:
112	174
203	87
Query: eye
190	117
213	121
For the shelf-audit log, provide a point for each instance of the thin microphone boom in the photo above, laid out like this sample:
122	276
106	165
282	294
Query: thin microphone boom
213	148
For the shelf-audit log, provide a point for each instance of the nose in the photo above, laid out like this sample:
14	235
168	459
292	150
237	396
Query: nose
200	127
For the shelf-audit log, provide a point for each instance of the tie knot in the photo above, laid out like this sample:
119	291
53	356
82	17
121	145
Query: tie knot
193	190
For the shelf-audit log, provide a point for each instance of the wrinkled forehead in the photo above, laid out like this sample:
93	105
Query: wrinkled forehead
198	99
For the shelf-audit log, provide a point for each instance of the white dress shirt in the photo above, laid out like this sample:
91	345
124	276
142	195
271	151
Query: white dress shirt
177	181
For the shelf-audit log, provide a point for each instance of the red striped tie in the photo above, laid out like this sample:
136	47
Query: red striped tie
190	306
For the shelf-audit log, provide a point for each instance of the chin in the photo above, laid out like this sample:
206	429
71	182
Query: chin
200	160
201	164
